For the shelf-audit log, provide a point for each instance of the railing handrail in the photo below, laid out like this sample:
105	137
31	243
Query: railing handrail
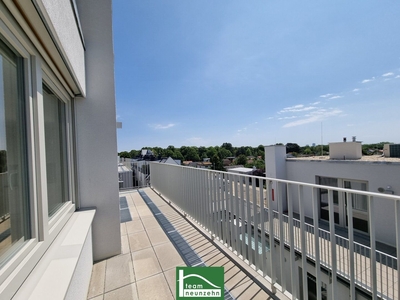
312	185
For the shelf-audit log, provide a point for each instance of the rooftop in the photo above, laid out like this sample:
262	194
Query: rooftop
364	158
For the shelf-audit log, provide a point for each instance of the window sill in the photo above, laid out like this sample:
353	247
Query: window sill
64	270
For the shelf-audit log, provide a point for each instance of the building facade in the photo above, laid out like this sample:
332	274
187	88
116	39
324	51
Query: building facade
364	175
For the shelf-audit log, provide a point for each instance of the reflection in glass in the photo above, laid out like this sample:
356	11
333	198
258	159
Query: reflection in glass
56	156
14	202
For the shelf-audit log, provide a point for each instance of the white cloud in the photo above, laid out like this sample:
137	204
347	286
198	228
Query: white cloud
315	103
287	118
315	116
326	95
335	97
388	74
356	90
368	80
159	126
297	108
398	76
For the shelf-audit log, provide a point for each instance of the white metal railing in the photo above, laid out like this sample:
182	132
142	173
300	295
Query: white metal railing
236	210
138	175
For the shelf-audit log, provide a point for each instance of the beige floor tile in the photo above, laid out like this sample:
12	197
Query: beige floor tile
124	245
154	288
144	211
97	298
215	259
234	278
134	226
134	213
128	292
145	263
170	276
119	272
247	290
123	229
96	286
168	210
138	241
157	236
168	256
150	223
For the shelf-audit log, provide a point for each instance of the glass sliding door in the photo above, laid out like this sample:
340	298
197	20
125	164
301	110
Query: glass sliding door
324	201
56	150
14	200
340	201
359	204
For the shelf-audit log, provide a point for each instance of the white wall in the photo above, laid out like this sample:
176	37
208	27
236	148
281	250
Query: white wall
96	129
66	33
345	150
275	167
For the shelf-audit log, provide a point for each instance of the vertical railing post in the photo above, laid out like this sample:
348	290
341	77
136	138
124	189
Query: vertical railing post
248	227
272	260
371	220
333	244
225	214
242	217
351	245
230	211
263	263
219	204
397	212
316	242
237	179
279	199
303	237
256	217
294	273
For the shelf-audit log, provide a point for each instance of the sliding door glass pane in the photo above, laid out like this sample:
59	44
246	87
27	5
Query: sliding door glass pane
324	201
14	201
56	151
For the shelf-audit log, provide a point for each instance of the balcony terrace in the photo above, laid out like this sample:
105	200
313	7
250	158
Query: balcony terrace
155	239
228	217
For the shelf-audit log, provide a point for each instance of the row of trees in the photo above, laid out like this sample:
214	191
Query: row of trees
244	155
198	153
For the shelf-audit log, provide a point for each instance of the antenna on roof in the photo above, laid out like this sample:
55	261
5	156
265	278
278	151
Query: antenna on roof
322	147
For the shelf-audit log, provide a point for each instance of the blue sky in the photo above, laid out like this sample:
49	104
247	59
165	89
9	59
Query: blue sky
205	72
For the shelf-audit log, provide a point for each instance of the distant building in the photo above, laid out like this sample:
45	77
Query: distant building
170	161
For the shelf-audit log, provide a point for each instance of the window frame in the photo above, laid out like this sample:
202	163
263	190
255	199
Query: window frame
341	206
43	230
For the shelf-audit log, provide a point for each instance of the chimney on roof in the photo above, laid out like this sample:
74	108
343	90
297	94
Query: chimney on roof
354	138
344	140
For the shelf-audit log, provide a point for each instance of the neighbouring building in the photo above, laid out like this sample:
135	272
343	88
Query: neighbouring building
370	173
59	201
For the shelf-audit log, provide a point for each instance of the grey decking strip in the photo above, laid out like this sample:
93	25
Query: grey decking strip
189	256
125	215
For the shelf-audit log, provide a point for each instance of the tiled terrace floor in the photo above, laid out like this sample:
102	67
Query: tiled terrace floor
146	267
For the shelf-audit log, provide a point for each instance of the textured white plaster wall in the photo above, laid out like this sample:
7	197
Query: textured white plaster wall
96	129
62	18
